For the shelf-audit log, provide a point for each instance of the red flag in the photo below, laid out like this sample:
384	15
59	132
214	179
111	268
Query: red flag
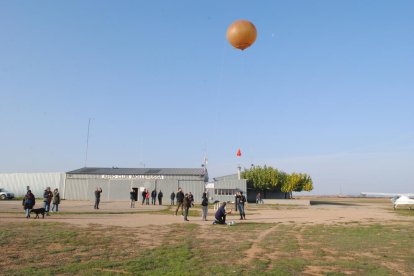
238	153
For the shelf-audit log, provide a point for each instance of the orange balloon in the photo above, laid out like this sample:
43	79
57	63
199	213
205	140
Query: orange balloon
241	34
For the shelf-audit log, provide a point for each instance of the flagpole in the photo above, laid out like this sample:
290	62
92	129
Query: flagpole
238	154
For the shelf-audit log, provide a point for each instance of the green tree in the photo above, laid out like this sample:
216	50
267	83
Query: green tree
262	178
270	178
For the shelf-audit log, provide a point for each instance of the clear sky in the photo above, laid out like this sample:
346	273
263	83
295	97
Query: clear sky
327	89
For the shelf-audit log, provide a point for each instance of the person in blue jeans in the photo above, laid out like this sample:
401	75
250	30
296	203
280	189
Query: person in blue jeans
241	202
47	198
28	203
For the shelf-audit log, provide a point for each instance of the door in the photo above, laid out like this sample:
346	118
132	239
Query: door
135	193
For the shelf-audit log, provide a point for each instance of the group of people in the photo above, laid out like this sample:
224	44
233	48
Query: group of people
146	196
184	201
29	201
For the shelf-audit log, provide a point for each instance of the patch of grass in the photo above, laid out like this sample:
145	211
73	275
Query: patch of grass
288	266
404	212
192	249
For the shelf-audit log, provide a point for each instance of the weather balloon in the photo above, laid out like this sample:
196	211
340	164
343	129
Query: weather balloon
241	34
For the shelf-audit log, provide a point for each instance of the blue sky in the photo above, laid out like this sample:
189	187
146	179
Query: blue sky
327	89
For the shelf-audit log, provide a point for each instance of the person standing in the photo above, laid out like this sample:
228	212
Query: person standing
47	198
160	195
147	196
55	200
144	196
204	206
172	197
258	198
242	201
132	196
236	201
186	205
153	196
180	199
98	192
28	202
191	198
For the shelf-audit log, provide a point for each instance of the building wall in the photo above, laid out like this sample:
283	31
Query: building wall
17	183
82	187
265	194
225	188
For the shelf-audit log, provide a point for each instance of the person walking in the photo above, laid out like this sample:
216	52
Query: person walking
98	192
55	200
204	206
132	196
153	196
180	199
186	205
172	197
242	201
147	196
28	202
47	198
160	195
144	196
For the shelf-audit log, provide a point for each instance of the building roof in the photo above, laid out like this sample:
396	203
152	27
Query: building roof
227	177
140	171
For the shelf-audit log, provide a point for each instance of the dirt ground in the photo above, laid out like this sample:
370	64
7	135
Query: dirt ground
119	213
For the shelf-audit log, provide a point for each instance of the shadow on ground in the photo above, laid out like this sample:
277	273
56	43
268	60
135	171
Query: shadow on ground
321	202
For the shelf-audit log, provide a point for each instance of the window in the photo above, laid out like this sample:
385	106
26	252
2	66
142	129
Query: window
227	192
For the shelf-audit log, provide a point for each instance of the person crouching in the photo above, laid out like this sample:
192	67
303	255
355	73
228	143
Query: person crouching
221	214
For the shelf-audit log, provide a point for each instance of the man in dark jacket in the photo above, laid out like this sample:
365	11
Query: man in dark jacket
98	192
132	197
191	198
204	206
160	195
153	196
172	197
186	204
180	200
144	195
47	198
28	202
241	202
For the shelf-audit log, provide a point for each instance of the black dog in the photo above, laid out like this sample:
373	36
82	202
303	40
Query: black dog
40	211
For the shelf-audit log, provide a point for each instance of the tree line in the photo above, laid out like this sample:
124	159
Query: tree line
268	178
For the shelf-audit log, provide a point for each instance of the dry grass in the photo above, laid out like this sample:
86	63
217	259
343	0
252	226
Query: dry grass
41	248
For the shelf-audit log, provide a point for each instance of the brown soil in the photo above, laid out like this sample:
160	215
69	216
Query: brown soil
119	214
